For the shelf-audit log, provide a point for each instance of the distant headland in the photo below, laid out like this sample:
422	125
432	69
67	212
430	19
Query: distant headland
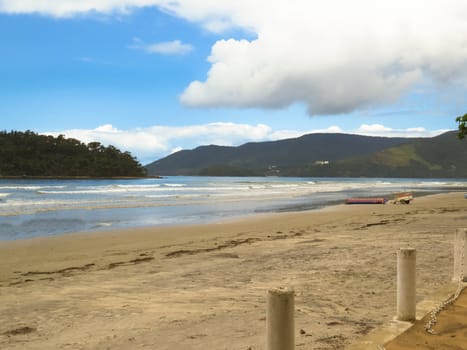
30	155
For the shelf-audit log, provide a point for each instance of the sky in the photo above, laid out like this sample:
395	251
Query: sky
156	76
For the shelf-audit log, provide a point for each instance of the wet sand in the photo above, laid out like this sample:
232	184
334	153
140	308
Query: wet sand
204	286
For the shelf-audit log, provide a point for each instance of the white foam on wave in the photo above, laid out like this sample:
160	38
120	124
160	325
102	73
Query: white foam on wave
31	188
159	196
433	183
286	186
138	187
77	192
104	224
100	190
28	188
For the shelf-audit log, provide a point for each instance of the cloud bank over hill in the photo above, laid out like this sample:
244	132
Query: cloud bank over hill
334	57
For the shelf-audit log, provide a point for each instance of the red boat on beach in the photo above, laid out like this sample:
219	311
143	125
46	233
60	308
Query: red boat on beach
366	201
403	198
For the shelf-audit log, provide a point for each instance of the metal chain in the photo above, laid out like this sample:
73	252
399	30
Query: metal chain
461	286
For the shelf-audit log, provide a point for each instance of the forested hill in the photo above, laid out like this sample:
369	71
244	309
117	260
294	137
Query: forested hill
30	154
333	155
260	158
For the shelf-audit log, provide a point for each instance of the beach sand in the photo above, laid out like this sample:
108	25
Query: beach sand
450	331
205	286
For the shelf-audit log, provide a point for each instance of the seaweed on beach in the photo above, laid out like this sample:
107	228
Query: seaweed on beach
20	331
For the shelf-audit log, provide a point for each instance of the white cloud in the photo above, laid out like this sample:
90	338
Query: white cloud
175	150
140	142
175	47
381	130
152	143
334	56
68	8
374	128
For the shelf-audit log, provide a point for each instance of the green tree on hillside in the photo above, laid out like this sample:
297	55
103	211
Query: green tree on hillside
462	120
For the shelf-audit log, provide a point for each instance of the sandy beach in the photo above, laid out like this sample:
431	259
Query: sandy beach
450	330
204	286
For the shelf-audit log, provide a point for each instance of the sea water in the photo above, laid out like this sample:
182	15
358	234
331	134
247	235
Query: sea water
32	208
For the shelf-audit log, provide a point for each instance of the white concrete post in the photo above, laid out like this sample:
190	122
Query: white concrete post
460	255
280	319
406	258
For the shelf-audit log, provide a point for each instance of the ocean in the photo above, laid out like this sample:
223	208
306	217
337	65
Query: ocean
34	208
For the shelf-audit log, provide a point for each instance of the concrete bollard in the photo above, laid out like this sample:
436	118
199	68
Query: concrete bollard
460	255
406	258
280	319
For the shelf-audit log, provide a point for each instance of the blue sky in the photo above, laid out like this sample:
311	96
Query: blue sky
156	76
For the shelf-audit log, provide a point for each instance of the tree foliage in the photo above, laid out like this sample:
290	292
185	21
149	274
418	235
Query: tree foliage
30	154
462	120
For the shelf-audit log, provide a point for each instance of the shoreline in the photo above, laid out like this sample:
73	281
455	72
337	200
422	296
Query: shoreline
204	286
31	208
277	208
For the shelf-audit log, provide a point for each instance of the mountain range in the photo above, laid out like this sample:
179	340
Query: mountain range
313	155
